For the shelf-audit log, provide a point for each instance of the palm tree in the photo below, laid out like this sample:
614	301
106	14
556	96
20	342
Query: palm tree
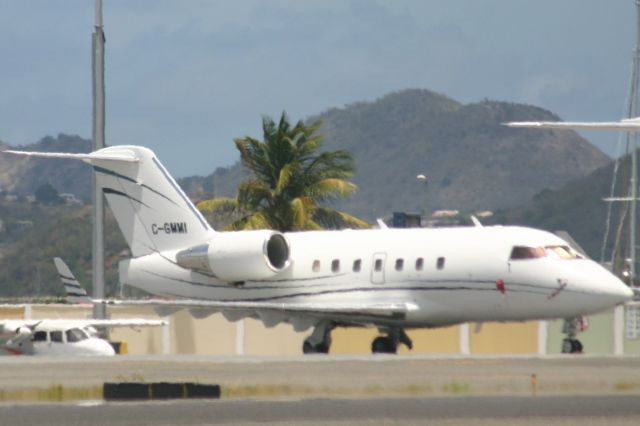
289	179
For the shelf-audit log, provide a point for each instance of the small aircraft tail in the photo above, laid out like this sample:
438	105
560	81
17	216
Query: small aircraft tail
152	211
74	291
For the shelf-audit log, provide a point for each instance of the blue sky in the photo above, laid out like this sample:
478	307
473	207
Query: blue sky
186	77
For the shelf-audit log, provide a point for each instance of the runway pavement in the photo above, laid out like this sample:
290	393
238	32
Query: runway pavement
330	376
495	410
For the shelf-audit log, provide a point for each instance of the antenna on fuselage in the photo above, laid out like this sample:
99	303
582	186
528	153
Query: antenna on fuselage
381	224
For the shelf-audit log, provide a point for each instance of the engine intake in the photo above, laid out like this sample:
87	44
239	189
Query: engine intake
239	256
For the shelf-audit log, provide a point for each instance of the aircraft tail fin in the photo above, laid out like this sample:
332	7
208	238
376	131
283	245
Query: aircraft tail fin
152	211
72	288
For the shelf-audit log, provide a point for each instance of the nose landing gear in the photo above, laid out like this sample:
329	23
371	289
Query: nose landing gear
571	327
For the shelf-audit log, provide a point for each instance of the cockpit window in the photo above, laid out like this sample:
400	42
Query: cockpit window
523	252
75	335
554	252
562	252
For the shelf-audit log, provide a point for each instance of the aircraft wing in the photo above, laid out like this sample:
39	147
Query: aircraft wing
628	125
125	322
32	325
301	315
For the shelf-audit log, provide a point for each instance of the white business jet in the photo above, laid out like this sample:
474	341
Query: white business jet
64	337
392	279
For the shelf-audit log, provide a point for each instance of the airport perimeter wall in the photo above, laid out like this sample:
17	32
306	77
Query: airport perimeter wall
214	335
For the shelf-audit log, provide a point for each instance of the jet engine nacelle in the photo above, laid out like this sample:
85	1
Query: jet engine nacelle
239	256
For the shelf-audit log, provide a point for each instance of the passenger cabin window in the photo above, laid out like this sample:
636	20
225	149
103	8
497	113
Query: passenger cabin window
378	265
56	336
335	265
316	266
39	336
419	264
399	264
440	263
357	265
75	335
523	253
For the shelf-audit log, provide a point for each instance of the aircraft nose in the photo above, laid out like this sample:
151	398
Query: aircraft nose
624	292
616	290
604	289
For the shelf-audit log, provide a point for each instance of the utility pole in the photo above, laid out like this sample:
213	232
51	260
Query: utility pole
632	143
97	44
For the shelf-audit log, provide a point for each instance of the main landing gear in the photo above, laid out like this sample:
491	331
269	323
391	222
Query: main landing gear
320	340
389	344
571	327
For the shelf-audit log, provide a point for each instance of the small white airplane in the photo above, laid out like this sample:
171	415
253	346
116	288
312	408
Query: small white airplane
392	279
63	337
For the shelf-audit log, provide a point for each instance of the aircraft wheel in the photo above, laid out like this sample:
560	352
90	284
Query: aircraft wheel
577	346
571	346
383	345
320	348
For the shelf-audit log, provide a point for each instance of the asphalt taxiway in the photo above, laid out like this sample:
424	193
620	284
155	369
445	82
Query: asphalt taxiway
475	410
337	376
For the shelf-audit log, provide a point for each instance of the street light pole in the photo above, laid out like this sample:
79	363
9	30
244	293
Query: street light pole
97	44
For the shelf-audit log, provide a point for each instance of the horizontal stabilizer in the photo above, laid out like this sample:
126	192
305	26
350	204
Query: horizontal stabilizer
111	155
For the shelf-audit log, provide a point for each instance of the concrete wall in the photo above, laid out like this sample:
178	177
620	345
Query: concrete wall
213	335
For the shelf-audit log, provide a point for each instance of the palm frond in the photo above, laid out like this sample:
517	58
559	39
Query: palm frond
290	176
218	206
332	188
334	219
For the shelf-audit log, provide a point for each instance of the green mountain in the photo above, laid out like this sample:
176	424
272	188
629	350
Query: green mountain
471	161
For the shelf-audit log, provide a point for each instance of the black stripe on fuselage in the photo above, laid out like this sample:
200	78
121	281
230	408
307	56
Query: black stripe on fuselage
523	288
262	286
